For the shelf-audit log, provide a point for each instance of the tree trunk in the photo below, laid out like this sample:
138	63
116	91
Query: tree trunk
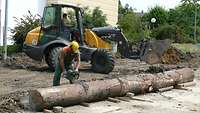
71	94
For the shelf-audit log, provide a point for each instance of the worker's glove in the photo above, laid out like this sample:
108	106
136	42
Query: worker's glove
64	74
72	75
76	71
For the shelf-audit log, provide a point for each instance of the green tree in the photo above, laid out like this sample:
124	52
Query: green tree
130	23
123	10
159	13
23	26
131	26
184	17
94	18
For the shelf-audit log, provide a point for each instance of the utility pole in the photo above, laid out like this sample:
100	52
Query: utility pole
0	23
5	30
195	22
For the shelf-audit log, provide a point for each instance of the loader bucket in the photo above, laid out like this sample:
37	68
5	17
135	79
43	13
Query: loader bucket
153	50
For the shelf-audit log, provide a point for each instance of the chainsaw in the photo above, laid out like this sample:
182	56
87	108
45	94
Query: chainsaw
71	75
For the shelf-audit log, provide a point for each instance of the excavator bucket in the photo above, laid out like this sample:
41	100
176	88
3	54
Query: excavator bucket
152	51
160	51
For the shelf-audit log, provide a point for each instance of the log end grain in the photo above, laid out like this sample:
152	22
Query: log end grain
36	100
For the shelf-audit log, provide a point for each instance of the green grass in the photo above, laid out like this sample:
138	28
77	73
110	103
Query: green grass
10	49
187	47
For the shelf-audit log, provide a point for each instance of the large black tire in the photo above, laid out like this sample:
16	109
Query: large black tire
102	61
52	57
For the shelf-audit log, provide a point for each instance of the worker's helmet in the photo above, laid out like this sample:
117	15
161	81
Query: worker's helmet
75	46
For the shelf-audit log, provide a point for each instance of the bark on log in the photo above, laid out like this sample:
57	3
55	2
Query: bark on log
71	94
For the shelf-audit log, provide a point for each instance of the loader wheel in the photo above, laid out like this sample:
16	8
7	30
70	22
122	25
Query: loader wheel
52	58
102	61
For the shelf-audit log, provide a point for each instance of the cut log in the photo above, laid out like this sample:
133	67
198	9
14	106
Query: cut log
71	94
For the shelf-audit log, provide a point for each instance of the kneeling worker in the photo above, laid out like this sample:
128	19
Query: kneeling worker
68	63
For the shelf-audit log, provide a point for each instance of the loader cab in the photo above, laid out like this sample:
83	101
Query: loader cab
62	22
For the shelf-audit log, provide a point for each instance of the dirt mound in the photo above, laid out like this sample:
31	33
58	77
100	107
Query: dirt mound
22	61
174	56
122	66
11	103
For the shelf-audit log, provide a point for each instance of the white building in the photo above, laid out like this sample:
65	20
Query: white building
109	7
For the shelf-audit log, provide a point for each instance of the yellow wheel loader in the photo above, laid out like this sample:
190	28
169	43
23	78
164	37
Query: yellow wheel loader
44	42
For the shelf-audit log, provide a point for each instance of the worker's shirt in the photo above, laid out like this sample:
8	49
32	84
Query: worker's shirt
69	56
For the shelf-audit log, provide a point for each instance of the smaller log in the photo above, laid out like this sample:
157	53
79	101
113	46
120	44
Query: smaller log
139	99
113	100
165	89
129	94
47	111
186	84
183	88
57	109
123	99
85	104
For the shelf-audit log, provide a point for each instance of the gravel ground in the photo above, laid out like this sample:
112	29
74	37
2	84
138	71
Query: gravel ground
19	74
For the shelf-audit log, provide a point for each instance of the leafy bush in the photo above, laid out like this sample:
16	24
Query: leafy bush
10	49
172	32
23	26
184	16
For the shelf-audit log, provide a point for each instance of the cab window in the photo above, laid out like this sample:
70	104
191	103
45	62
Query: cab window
49	16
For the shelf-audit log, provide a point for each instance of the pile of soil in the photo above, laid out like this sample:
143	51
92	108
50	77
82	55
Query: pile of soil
11	103
22	61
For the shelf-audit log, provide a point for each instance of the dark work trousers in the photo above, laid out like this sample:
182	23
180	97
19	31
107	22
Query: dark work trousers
57	73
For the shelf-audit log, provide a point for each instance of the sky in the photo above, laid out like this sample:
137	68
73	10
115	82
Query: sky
144	5
22	8
18	8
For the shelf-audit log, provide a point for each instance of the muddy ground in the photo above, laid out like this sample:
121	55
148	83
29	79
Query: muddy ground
19	74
